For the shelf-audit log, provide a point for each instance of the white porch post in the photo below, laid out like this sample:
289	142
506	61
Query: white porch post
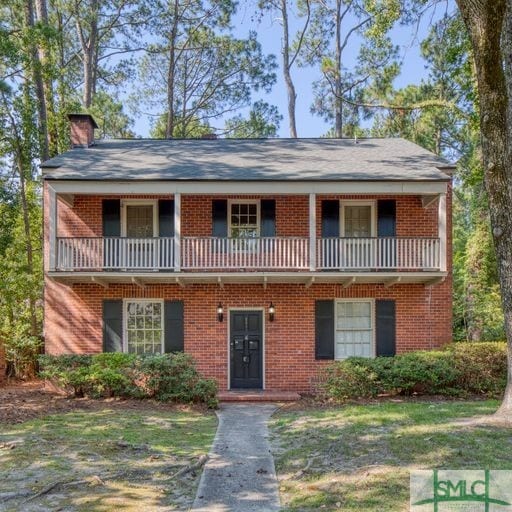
442	233
177	232
52	227
312	232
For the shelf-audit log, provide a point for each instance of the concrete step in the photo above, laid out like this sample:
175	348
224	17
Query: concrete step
258	395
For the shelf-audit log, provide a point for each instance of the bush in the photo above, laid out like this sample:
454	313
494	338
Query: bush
21	354
168	377
459	369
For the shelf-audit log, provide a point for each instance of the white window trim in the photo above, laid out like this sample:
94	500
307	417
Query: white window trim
245	201
353	202
125	320
373	348
139	202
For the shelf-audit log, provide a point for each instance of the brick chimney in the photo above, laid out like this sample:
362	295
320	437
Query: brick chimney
82	130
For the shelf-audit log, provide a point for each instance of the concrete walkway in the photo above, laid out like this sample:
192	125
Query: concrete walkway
240	475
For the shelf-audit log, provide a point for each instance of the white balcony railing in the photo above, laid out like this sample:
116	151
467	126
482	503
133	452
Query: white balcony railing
230	254
115	253
252	253
378	254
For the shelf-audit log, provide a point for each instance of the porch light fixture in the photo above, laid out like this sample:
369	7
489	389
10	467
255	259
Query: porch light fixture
220	312
271	312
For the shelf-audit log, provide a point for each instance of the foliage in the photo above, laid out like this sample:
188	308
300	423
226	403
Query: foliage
460	369
263	121
167	377
21	354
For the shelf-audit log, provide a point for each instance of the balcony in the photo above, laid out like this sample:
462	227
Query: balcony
279	254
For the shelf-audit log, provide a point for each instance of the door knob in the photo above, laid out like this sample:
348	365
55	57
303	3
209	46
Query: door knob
246	359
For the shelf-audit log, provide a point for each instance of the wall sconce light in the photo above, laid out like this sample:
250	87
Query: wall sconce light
271	312
220	312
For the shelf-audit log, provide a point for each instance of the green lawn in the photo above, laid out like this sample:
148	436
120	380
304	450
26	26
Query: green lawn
358	457
103	460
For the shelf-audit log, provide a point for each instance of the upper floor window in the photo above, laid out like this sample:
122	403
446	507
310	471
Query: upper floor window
244	219
139	219
358	219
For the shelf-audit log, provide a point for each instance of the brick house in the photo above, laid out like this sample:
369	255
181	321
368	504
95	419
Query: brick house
264	259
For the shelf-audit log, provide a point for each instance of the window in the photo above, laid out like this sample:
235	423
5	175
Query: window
358	219
244	220
244	225
140	218
354	329
144	331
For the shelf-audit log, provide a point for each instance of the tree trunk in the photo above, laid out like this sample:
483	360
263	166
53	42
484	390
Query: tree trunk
46	63
484	20
338	103
37	76
89	49
169	129
292	95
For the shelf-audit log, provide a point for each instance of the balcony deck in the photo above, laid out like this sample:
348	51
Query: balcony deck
257	260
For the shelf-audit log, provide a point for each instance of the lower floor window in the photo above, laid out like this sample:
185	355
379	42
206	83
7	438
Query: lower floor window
354	329
144	327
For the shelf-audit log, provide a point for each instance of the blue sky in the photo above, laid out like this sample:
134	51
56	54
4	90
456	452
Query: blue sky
407	38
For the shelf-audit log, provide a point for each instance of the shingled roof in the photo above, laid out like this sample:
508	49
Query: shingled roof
373	159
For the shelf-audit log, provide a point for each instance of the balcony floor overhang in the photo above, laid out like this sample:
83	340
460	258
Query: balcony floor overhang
307	279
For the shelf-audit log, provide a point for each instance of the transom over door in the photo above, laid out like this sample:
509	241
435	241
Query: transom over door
246	349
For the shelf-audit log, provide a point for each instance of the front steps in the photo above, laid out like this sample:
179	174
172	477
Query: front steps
257	395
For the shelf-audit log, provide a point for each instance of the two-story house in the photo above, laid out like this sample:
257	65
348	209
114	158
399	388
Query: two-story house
264	259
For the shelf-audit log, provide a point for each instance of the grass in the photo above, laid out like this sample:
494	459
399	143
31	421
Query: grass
358	457
120	457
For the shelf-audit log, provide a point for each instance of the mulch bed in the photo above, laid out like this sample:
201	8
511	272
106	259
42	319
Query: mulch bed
23	401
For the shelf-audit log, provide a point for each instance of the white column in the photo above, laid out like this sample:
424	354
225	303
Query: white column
442	233
177	232
312	232
52	227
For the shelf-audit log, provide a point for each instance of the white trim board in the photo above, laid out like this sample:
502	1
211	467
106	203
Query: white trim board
248	187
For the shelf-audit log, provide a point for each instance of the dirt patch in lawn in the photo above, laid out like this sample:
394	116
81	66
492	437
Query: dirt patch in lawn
24	401
98	455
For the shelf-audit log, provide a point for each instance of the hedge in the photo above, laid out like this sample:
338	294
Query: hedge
167	377
461	369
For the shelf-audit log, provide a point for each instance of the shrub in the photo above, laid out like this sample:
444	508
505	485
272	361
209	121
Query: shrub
168	377
21	353
481	367
459	369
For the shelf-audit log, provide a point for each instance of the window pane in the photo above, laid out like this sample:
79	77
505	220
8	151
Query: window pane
144	327
358	221
353	329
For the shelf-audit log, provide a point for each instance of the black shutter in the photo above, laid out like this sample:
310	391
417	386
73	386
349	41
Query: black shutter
330	219
385	314
324	329
112	326
220	218
166	217
111	217
386	217
173	326
268	217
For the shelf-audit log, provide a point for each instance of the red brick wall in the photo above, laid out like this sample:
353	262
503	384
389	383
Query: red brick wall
73	321
73	314
84	219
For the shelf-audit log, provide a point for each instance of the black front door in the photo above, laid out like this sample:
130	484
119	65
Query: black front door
246	350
